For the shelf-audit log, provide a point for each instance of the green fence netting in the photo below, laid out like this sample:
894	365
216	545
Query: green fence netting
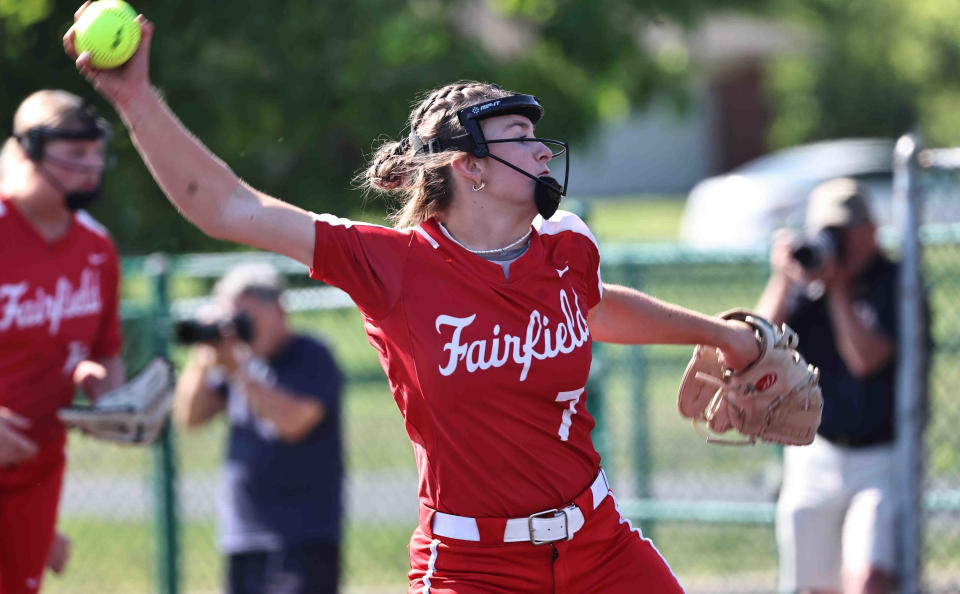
709	509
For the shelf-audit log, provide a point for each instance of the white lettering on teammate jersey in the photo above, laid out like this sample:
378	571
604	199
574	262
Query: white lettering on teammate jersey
77	352
19	310
540	342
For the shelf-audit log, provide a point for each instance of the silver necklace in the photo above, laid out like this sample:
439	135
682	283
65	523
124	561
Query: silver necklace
493	251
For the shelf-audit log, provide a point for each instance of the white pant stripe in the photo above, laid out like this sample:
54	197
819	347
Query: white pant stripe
431	565
629	524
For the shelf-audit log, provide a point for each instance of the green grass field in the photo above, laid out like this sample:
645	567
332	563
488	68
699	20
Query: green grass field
648	219
635	396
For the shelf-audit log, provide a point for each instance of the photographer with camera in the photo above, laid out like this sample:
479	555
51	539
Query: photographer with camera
280	499
838	507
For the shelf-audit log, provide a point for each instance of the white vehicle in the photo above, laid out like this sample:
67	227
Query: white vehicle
740	209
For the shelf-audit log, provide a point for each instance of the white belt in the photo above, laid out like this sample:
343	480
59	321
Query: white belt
542	527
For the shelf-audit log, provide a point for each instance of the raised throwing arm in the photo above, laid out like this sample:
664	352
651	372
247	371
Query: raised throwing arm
199	184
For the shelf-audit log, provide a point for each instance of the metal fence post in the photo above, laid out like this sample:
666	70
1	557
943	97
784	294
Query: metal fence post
596	392
637	360
911	347
157	269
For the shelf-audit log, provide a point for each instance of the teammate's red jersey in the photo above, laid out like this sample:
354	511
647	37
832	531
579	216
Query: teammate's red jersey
58	306
489	373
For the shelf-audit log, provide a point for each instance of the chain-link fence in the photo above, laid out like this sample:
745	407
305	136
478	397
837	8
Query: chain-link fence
709	509
107	507
114	503
931	177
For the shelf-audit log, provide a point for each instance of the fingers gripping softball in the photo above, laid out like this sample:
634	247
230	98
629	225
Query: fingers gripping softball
110	44
776	399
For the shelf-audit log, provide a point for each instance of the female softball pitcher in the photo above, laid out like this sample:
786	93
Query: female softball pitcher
482	304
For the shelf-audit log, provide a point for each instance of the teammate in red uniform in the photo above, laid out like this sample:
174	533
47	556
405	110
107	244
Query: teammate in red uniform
58	314
482	305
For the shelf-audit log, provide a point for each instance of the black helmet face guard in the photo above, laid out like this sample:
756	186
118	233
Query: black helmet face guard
475	143
34	140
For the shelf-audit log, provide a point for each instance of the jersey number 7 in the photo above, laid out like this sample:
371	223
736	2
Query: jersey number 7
573	397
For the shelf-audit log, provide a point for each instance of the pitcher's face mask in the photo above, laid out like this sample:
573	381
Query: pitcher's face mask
35	141
547	191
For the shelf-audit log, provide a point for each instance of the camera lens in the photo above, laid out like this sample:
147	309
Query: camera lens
812	253
192	332
808	256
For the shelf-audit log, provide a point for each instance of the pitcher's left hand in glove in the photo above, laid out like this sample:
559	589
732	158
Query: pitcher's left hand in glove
132	413
776	398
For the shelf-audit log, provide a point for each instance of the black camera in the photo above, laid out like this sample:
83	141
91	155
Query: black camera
193	331
813	252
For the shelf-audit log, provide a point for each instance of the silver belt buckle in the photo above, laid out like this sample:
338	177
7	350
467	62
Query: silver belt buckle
545	514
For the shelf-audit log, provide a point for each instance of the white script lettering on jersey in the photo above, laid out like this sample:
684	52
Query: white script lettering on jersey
77	352
26	311
540	342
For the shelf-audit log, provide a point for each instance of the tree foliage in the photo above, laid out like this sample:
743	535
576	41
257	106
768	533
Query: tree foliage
876	68
293	93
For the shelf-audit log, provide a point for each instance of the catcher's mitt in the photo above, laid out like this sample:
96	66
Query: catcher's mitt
777	398
132	413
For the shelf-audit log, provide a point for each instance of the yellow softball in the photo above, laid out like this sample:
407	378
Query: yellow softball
108	30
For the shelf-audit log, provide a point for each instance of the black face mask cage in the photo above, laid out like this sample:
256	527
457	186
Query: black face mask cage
475	143
561	151
34	140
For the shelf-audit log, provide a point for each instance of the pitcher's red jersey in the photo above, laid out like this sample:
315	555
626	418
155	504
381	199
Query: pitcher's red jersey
489	372
58	306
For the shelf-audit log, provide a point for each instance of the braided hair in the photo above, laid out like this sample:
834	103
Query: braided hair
422	181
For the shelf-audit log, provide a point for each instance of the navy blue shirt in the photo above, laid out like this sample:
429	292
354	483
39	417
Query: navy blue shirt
856	411
275	493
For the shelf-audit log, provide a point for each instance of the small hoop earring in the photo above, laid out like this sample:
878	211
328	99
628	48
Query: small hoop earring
482	185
